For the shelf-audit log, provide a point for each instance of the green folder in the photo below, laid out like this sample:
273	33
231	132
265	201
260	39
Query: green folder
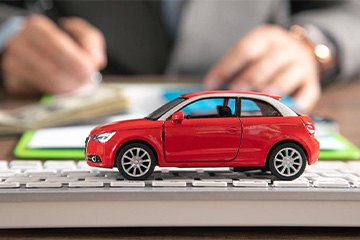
351	152
22	150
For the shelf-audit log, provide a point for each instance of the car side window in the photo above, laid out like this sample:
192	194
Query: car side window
210	108
257	108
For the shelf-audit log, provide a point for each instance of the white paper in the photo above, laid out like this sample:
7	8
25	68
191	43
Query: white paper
69	137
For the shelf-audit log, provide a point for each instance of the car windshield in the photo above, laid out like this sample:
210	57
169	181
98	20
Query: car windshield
163	109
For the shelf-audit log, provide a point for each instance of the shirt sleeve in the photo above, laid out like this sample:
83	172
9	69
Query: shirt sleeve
340	22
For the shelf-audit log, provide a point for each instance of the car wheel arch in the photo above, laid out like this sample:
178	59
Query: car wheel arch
136	141
281	142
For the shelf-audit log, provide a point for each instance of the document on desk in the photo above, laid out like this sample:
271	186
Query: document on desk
68	137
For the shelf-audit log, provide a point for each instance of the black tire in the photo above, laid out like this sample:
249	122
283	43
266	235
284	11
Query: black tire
287	161
136	161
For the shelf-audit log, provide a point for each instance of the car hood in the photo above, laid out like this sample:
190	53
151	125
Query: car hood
126	125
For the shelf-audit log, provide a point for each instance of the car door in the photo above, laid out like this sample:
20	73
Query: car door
261	125
209	132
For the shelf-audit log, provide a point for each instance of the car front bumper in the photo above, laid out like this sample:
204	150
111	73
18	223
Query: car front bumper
313	149
99	154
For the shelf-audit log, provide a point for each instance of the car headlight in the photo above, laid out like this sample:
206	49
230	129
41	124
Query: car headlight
103	137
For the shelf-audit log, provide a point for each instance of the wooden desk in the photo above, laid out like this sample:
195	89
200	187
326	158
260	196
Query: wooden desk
341	102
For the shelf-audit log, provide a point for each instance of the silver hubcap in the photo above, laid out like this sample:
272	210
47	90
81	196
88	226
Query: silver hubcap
288	162
136	162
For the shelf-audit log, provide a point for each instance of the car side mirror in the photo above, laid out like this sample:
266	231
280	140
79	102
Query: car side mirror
177	117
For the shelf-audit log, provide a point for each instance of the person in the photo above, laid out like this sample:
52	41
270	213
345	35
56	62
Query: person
278	47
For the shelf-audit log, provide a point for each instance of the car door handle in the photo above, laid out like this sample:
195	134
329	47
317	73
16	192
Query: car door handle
232	129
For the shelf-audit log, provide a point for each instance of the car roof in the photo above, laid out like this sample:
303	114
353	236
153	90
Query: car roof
195	94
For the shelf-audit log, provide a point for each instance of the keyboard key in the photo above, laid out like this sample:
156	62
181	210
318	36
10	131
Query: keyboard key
25	164
332	184
200	183
332	174
9	173
9	185
62	164
43	185
127	184
168	184
61	179
227	180
84	184
298	183
82	175
354	165
256	179
3	165
83	164
23	180
251	183
101	179
40	172
71	171
328	165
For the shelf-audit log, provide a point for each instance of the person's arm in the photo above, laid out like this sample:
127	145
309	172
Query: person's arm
339	22
271	59
46	58
40	56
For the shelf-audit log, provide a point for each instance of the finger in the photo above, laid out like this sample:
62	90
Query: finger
89	37
286	81
261	72
60	48
308	95
250	48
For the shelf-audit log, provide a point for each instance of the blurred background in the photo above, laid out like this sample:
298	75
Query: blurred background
65	54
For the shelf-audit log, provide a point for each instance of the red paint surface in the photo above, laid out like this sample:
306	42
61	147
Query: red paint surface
207	142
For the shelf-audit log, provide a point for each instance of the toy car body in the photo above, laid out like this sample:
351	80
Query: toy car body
209	129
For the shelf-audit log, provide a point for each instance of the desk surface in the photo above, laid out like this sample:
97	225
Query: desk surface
340	102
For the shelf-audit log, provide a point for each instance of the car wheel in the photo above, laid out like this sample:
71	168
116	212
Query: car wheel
136	161
287	161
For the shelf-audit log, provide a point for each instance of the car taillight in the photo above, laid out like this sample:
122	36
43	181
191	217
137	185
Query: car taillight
310	128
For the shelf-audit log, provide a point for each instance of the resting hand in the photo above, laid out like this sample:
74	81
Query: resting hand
43	58
270	60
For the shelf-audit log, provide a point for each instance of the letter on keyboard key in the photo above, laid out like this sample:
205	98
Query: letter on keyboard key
43	185
127	184
84	184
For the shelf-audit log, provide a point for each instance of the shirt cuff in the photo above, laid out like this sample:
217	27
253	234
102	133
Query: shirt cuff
9	28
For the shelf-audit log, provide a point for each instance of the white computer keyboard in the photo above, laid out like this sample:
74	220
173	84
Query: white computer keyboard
70	193
29	174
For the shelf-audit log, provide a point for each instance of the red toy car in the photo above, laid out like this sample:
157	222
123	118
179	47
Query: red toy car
209	129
